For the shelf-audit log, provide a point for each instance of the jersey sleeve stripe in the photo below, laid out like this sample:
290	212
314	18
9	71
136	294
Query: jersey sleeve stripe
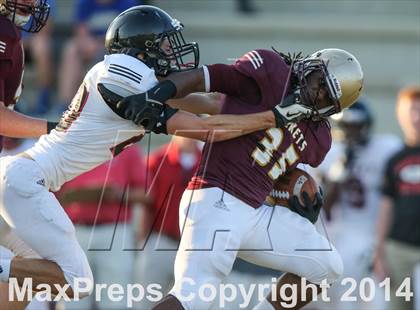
121	73
206	78
252	61
127	70
253	56
258	56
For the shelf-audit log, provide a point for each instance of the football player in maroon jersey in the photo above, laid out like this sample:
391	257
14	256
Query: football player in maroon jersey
16	15
235	176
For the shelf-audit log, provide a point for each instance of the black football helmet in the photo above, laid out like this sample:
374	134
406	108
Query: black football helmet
355	123
29	16
145	29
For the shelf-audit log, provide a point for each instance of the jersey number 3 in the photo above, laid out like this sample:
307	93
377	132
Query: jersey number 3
271	143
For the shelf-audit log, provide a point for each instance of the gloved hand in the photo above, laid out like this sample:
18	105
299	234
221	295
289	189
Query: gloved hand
309	210
142	110
291	110
135	108
147	107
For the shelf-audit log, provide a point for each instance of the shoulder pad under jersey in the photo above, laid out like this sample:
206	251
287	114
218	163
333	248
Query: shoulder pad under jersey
127	72
267	68
9	37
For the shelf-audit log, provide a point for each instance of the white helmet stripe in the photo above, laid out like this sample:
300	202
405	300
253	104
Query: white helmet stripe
334	86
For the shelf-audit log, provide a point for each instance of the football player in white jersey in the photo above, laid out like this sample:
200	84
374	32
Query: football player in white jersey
352	173
142	42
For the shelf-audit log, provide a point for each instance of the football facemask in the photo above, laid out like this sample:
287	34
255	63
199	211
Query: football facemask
341	76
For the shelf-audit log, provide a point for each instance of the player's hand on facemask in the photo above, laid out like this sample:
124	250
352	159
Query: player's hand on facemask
291	110
310	209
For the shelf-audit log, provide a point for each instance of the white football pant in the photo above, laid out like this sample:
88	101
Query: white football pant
216	226
34	223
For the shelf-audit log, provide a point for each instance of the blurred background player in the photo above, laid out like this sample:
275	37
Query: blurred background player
246	6
352	178
169	169
99	203
86	47
398	230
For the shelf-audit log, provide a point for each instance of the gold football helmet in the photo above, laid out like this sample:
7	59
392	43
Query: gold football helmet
342	76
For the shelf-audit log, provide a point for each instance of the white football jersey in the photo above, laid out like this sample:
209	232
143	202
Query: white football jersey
89	133
357	206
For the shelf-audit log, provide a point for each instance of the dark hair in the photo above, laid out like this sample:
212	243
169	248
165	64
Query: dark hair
290	59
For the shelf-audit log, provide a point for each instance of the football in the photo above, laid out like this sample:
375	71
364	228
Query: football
293	183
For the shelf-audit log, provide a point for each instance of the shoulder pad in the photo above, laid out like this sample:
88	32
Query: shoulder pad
259	61
129	72
9	37
267	68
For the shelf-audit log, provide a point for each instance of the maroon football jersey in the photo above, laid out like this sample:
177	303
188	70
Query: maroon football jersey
11	63
246	167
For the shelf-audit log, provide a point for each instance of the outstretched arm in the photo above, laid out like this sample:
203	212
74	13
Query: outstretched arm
147	109
187	82
16	125
199	103
220	78
215	78
218	127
